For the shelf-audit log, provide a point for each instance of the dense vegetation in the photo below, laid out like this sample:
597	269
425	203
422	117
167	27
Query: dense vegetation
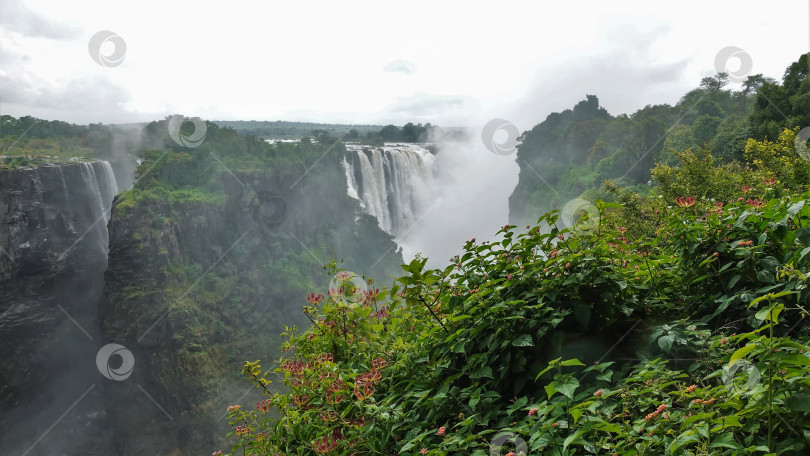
571	153
29	141
670	321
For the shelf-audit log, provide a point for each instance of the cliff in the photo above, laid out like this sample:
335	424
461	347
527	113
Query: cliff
212	255
53	252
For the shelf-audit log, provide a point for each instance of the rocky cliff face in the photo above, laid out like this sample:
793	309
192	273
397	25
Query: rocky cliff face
202	280
53	252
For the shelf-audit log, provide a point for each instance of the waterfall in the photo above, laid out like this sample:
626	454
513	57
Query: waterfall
99	187
389	182
105	188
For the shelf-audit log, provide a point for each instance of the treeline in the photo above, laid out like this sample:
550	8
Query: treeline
366	134
280	129
574	151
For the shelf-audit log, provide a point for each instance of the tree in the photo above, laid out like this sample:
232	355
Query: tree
714	83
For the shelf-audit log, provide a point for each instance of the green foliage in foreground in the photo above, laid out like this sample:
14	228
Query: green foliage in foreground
562	342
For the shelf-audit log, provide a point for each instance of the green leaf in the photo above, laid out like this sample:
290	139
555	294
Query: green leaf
734	280
741	353
551	389
793	210
798	402
665	342
725	440
771	313
568	388
485	371
574	438
683	439
524	340
572	362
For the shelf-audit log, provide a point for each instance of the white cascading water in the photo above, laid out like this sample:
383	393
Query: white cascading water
389	182
105	187
105	190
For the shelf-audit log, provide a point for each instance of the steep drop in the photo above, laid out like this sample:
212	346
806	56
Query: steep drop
388	182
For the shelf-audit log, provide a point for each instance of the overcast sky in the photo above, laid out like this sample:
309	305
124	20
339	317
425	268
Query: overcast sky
449	63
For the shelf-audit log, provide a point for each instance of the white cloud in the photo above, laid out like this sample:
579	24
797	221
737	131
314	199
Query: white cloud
321	60
400	66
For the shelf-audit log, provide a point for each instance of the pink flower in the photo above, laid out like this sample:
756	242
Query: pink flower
533	412
423	451
441	430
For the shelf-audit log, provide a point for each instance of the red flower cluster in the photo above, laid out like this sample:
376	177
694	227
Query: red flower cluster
326	358
657	412
370	296
263	406
332	393
333	292
241	430
295	367
378	363
685	202
769	182
382	313
691	388
745	188
364	384
441	430
313	298
748	242
701	401
755	202
329	415
324	444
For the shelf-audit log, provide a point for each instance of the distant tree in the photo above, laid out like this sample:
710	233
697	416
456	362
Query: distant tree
714	83
390	133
